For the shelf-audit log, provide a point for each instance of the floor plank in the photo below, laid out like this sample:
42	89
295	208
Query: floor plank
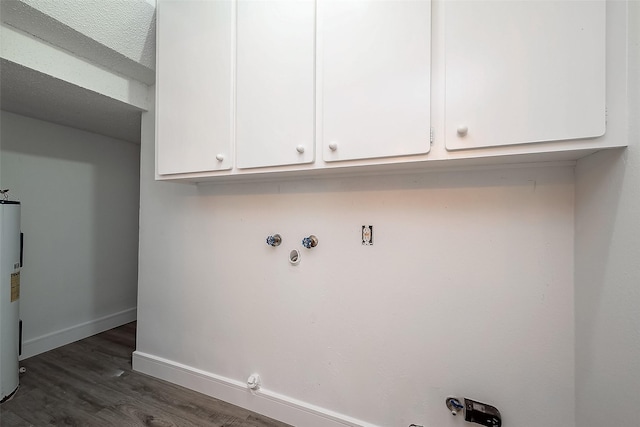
91	383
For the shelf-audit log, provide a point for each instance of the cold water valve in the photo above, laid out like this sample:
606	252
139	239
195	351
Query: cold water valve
274	240
310	242
475	412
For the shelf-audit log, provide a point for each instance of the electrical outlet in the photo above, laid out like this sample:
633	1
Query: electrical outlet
367	235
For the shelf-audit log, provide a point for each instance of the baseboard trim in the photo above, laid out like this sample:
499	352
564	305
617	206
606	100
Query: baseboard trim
74	333
265	402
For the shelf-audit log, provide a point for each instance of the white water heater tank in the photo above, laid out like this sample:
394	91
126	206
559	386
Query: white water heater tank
10	265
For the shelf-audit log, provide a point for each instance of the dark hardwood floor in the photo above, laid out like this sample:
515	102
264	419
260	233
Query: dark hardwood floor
90	383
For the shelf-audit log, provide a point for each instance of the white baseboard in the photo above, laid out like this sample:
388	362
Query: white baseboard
66	336
265	402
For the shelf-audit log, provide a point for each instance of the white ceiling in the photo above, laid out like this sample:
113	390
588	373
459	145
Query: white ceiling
33	94
117	35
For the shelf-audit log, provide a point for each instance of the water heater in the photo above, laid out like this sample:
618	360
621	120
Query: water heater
10	265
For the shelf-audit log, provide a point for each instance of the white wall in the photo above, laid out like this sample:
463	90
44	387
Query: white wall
608	289
80	198
608	272
468	290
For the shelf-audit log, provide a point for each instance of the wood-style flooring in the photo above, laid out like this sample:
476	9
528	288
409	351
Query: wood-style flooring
90	383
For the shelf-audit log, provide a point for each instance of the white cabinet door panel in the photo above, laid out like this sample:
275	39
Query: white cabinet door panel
523	71
194	86
275	83
376	68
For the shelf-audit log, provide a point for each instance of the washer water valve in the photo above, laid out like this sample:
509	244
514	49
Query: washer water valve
274	240
254	382
310	242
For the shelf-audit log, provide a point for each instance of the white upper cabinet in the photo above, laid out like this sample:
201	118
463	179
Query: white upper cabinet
375	68
523	71
194	86
275	109
248	88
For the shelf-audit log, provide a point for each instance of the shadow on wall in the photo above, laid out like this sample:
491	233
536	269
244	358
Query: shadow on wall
606	287
600	180
482	177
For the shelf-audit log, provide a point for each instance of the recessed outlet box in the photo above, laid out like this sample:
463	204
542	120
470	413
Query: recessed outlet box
367	235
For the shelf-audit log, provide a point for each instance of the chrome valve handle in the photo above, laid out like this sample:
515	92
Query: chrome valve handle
310	242
274	240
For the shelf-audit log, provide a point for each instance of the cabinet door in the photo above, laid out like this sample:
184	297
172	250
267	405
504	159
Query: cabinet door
194	86
523	71
376	65
275	82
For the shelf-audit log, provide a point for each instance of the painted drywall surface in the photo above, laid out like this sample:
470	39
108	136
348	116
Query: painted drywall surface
126	26
46	82
608	289
31	52
608	272
468	290
79	194
117	34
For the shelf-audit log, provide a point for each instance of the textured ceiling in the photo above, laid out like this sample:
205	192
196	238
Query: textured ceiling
33	94
117	35
125	26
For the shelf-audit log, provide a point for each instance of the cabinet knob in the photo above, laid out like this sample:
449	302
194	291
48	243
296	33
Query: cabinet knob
220	157
300	149
333	146
462	130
